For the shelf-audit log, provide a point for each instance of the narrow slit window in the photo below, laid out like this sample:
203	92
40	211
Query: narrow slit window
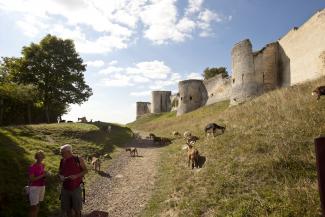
263	78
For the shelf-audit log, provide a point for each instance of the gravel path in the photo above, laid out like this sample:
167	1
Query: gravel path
125	188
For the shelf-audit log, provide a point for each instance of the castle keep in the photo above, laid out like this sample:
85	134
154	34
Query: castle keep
192	95
296	57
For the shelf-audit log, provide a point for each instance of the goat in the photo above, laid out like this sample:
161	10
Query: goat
319	91
152	136
89	158
192	139
192	155
132	151
176	133
187	134
212	127
82	120
96	163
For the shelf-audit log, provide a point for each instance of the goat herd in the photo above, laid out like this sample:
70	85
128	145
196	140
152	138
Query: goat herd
192	153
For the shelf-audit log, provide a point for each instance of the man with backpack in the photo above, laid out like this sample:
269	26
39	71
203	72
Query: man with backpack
71	171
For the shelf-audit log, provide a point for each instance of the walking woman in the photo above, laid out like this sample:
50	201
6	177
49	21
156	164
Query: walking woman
37	175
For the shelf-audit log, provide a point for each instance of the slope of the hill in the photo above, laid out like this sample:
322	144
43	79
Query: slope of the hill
263	165
18	145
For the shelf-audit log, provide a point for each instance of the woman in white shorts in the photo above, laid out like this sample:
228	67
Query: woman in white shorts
37	183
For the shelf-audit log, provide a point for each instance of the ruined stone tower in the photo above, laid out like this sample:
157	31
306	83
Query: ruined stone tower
193	95
160	101
254	73
243	74
142	108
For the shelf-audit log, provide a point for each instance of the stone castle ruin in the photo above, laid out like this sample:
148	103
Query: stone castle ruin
192	95
143	108
296	57
160	101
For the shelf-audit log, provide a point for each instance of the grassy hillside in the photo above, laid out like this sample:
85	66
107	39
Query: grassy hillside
263	165
18	145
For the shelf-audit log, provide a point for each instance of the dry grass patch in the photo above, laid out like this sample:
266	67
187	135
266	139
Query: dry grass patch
264	164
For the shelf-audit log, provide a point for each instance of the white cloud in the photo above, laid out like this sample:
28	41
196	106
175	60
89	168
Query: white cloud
111	70
31	25
95	63
150	74
194	6
113	62
153	69
116	24
102	44
160	19
208	16
185	25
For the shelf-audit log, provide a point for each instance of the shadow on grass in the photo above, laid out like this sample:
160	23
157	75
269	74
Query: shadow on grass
105	141
104	174
201	161
13	177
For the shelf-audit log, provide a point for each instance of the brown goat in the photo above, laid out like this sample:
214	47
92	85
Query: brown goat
133	151
176	133
193	156
187	134
319	91
96	163
191	139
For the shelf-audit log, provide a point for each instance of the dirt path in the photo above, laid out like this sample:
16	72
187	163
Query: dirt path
125	188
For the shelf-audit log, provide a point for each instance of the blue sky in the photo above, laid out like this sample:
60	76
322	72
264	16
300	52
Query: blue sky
132	47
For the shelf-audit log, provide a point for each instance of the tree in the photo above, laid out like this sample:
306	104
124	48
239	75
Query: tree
211	72
55	68
16	102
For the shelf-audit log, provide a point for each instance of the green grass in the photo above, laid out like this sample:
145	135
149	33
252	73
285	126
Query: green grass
263	165
18	145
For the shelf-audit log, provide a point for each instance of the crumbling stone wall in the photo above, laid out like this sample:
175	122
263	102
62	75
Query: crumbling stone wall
218	89
266	66
142	108
160	101
174	101
302	47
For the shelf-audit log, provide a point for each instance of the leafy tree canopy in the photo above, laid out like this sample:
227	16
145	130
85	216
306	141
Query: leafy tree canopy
211	72
55	68
18	92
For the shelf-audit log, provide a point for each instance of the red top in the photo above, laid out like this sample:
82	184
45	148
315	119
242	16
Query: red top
70	167
37	170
